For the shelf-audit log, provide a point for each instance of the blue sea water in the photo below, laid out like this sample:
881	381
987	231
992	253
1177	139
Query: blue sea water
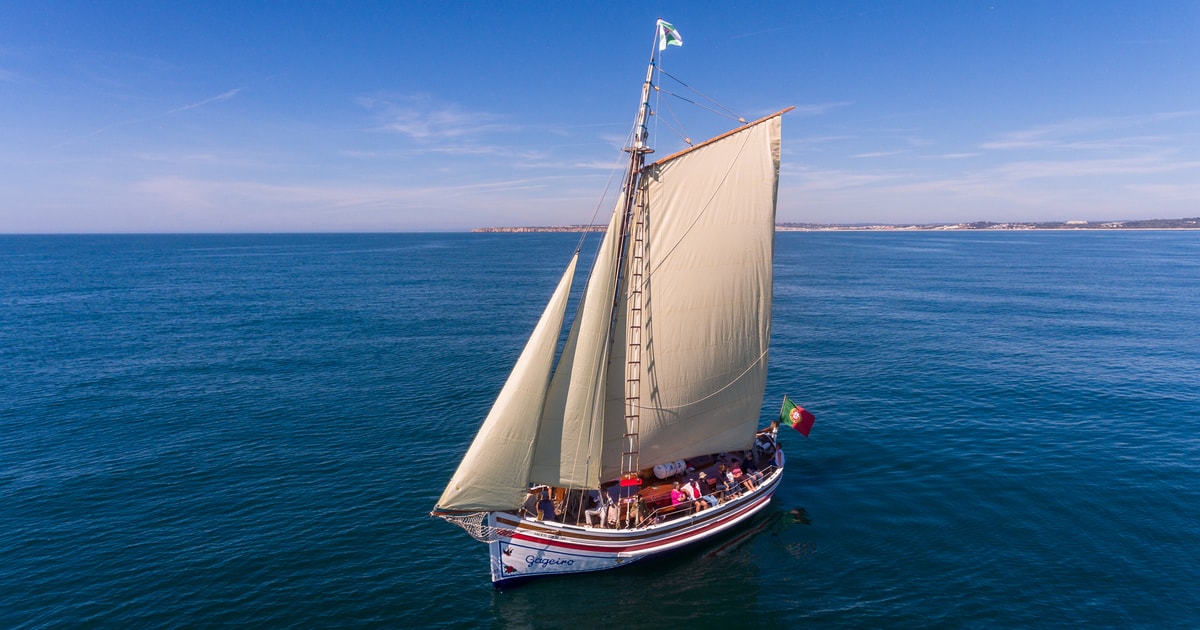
250	430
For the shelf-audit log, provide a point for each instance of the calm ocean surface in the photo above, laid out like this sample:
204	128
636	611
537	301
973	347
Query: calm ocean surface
250	430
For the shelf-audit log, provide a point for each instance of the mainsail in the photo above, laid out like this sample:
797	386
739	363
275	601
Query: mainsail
709	216
710	213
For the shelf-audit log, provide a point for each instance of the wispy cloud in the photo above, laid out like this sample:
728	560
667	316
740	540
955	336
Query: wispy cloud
198	158
419	118
813	143
432	128
212	193
133	121
817	109
220	97
597	165
812	179
224	204
1172	192
1139	165
505	155
1058	135
951	156
503	151
879	154
1025	187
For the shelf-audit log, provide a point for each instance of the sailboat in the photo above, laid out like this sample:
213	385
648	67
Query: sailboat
642	437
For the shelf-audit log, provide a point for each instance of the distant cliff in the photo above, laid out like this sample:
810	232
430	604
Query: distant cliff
552	228
1147	224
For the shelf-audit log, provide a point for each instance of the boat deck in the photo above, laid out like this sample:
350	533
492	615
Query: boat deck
649	503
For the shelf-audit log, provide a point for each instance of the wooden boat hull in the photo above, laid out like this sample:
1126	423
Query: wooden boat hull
525	547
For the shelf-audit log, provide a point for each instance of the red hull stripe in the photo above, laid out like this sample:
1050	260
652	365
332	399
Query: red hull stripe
655	543
517	523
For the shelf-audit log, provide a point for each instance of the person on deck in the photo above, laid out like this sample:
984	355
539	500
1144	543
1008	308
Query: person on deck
764	441
726	481
709	498
742	478
545	508
751	471
532	496
596	510
677	495
693	493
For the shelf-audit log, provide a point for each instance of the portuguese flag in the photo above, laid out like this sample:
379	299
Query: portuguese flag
801	419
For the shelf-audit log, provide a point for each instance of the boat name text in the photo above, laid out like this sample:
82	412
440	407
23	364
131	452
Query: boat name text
546	562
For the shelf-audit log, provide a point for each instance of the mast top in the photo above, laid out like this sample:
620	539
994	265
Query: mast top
664	35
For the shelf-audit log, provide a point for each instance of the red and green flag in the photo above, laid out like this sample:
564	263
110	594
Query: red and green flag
801	419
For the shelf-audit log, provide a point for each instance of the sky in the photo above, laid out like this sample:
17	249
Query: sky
148	117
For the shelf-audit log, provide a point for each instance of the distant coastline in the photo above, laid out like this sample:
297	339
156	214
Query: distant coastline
1147	224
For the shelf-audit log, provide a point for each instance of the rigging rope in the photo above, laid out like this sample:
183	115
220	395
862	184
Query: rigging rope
678	131
703	106
725	110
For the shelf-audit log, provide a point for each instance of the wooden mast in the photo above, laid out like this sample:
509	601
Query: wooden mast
633	242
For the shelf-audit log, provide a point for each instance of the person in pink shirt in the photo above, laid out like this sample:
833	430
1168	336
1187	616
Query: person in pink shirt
677	495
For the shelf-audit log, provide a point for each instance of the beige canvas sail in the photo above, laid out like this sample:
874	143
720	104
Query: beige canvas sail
494	474
569	443
707	299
